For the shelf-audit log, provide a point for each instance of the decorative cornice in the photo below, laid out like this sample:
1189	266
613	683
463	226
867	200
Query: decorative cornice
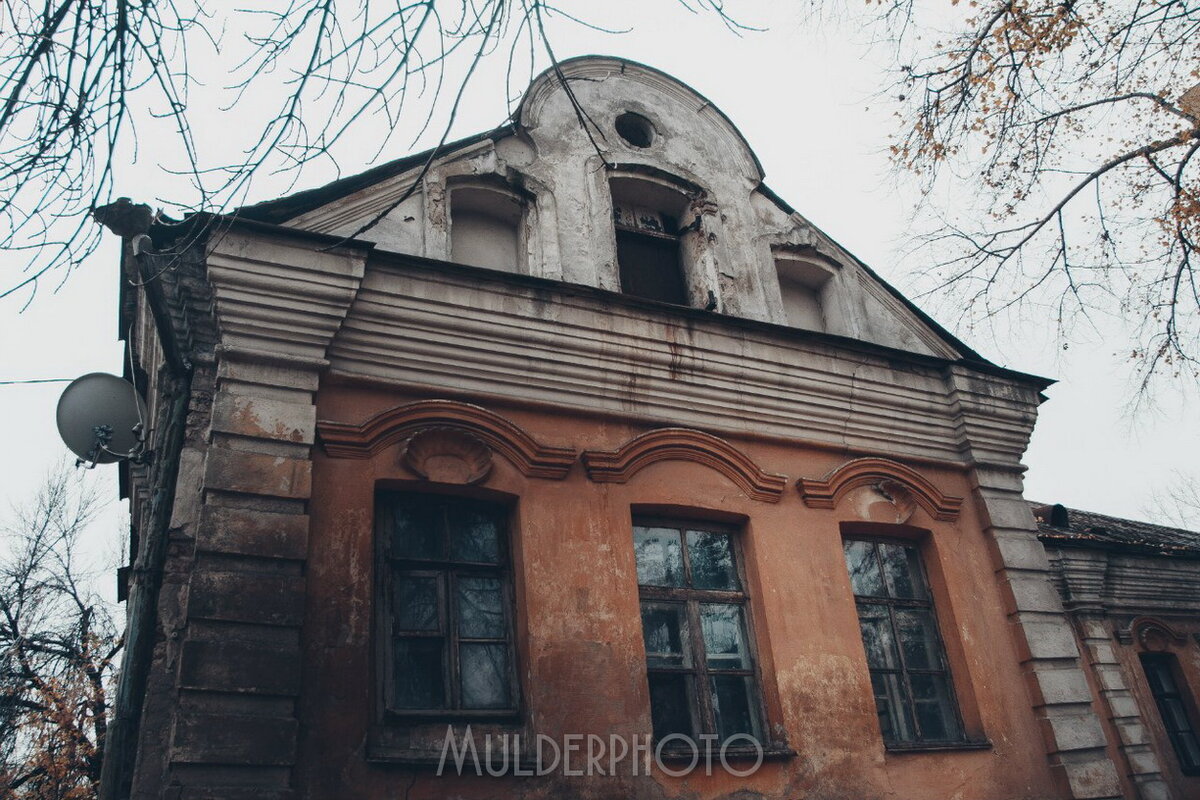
477	333
533	459
684	444
828	491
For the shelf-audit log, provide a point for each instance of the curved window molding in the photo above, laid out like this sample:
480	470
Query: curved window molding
827	492
1151	634
532	458
684	444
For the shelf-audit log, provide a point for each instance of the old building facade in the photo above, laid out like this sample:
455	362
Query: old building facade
560	432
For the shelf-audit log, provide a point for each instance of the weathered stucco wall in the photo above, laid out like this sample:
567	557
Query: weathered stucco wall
582	660
565	175
266	669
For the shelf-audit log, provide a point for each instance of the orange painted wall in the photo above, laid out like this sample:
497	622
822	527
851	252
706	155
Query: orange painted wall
581	656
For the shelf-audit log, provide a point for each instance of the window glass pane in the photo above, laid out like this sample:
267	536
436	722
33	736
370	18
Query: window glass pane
484	672
1174	715
480	608
712	560
474	535
864	569
670	703
1158	672
895	718
415	605
878	639
659	560
902	569
934	706
918	637
417	669
724	630
664	628
733	705
417	530
1188	749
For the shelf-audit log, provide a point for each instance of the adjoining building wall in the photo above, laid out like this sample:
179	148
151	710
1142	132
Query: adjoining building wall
1126	604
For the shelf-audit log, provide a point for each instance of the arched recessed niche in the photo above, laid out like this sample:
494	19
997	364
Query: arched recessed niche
486	227
803	283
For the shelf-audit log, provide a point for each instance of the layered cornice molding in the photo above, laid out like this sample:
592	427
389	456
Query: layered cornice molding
1106	581
480	334
684	444
364	440
282	293
827	492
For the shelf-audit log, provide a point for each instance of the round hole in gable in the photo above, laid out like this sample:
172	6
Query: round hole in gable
635	129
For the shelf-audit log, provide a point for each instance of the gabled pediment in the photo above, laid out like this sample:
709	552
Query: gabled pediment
544	197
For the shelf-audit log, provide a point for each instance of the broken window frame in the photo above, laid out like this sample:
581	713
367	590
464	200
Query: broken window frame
903	671
448	571
700	700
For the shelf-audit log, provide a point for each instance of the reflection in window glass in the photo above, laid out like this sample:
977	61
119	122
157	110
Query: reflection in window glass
448	604
711	556
910	679
698	656
659	558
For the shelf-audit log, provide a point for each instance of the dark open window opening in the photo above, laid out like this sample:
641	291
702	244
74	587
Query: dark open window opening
447	608
700	659
1175	708
646	216
910	678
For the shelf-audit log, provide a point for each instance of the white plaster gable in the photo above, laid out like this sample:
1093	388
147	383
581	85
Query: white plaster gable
744	237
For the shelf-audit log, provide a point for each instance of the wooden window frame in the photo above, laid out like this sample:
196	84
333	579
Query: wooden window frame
1170	662
701	708
892	603
448	571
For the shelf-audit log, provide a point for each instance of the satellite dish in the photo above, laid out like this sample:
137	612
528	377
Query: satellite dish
100	418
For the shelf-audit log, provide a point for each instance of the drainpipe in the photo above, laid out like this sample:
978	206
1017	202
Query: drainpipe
120	745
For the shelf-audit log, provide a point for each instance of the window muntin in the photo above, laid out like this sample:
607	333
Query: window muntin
910	679
447	607
1173	709
699	656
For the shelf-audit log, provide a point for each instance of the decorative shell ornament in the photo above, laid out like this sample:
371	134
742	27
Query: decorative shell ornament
883	501
447	455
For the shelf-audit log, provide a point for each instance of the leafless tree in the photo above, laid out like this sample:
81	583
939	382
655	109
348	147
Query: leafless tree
83	79
1074	126
58	642
1178	502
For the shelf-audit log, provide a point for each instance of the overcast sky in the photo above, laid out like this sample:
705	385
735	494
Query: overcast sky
803	96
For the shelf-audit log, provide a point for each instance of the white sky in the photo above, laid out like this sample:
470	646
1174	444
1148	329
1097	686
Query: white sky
801	96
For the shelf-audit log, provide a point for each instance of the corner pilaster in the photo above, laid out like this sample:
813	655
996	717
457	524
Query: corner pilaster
280	299
995	419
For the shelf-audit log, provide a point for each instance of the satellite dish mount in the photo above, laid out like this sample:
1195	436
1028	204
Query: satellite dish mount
101	418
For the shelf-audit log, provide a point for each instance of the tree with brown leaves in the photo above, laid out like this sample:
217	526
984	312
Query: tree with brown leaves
58	642
1058	140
